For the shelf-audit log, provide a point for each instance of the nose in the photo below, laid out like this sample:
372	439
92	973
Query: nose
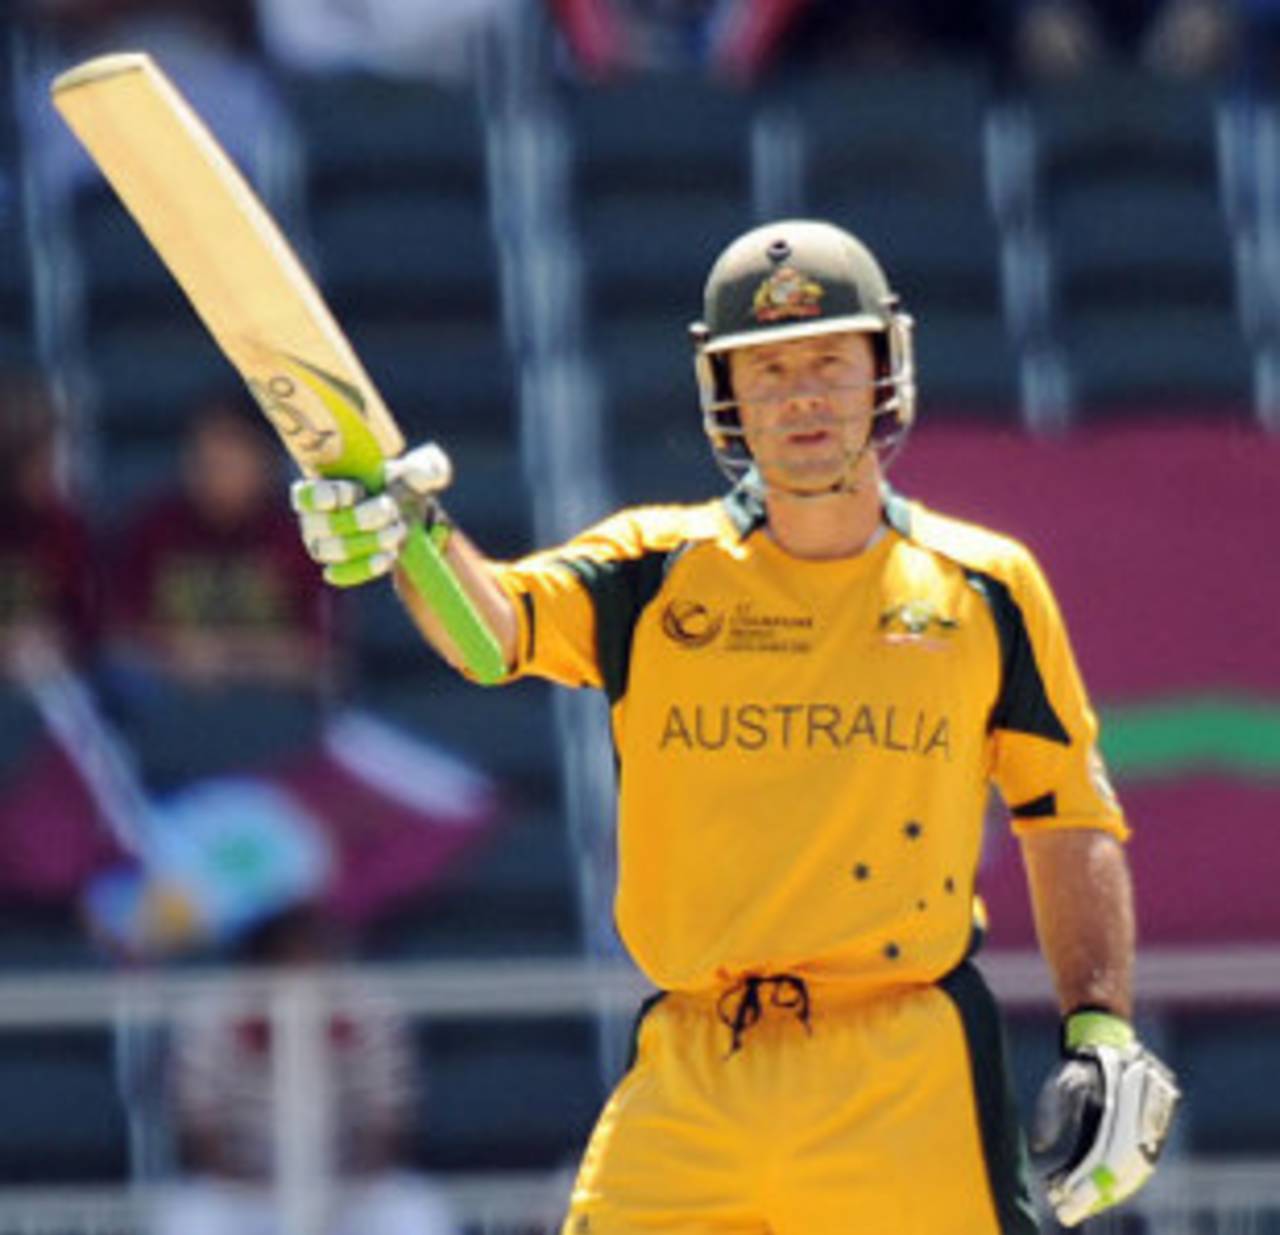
807	395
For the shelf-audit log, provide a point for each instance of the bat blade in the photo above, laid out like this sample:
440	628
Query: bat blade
237	269
250	290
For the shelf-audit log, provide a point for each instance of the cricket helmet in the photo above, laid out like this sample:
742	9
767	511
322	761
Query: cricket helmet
793	279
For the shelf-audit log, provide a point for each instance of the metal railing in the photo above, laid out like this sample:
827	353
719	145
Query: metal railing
446	990
1239	1197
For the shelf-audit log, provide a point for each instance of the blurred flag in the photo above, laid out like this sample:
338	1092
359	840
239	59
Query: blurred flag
367	819
395	808
1159	539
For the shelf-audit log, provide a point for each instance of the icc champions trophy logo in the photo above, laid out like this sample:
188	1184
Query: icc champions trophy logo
690	624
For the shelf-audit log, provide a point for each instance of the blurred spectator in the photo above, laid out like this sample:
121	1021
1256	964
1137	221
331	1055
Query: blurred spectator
223	1098
435	40
54	830
1056	39
1258	49
736	39
220	664
222	1091
208	47
47	585
210	587
853	33
238	870
742	40
82	22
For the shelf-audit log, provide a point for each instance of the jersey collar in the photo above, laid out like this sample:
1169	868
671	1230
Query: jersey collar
745	508
896	509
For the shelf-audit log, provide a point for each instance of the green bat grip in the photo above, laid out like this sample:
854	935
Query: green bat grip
360	458
436	583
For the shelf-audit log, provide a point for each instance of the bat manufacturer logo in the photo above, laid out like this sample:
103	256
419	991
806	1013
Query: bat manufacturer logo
303	434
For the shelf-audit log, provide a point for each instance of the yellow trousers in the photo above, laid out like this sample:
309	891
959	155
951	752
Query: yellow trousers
786	1108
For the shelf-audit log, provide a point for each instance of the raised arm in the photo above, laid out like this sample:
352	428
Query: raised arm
473	571
357	538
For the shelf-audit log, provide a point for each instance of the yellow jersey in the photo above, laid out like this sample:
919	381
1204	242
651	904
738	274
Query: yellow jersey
805	748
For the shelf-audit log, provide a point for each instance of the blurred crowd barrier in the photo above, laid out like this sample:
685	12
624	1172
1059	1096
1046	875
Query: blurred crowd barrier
1201	1195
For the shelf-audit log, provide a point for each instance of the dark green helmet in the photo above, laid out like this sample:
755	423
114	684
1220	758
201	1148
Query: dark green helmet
793	279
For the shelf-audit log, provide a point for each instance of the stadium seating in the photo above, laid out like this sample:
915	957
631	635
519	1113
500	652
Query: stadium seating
513	1096
511	896
46	1076
660	177
17	348
897	157
17	342
1222	1055
1129	198
397	192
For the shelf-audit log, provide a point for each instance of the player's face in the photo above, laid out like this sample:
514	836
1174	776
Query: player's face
806	407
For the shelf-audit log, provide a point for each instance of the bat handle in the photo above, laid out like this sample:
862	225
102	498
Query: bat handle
439	587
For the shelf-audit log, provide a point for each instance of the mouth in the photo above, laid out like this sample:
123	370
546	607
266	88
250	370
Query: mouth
810	437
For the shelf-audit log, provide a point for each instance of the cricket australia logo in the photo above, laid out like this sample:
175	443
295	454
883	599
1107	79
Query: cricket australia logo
787	293
690	623
917	622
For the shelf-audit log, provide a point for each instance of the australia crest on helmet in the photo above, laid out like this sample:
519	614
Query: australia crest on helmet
787	293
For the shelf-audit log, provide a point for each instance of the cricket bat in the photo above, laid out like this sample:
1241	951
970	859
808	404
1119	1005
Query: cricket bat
251	291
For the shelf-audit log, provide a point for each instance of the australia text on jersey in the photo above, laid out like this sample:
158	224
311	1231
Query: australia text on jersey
806	726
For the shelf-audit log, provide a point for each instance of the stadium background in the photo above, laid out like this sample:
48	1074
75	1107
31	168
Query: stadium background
513	228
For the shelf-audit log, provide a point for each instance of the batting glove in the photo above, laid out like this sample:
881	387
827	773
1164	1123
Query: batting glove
356	537
1102	1118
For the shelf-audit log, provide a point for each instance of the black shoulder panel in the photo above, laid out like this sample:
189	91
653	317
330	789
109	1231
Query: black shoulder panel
619	591
1043	807
530	622
1023	705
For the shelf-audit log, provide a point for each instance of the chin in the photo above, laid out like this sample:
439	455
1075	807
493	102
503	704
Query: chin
808	482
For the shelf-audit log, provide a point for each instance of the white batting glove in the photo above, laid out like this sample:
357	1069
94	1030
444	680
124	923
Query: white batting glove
356	537
1102	1118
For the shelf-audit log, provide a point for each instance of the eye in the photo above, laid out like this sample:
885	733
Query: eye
765	372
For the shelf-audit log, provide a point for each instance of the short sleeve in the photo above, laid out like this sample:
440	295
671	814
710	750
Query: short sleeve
556	637
1046	760
560	594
